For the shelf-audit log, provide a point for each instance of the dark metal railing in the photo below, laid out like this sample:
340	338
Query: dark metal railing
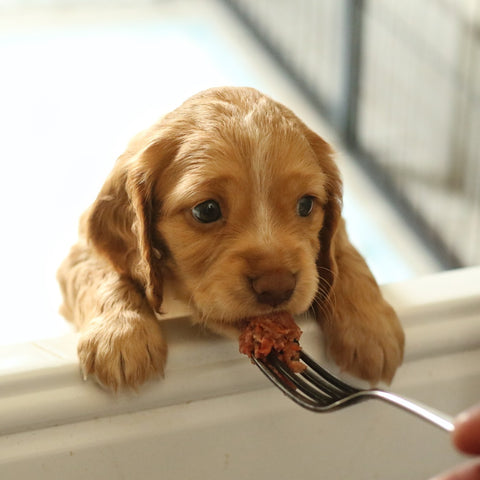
400	82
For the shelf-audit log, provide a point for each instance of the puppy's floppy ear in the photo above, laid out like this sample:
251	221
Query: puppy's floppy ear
120	222
326	261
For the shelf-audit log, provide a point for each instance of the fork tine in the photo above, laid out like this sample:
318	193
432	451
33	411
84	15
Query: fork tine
306	388
294	395
343	387
333	392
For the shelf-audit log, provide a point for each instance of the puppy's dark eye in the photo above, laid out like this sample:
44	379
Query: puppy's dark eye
207	212
305	206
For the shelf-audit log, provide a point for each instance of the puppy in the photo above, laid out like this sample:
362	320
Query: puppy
234	205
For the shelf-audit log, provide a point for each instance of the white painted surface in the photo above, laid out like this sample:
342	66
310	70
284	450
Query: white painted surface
215	416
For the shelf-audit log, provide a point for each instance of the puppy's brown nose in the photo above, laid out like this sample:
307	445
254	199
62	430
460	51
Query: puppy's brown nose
274	287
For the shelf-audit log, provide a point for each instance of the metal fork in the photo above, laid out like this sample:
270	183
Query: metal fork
318	390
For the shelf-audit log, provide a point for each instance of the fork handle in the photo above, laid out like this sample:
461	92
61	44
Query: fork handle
439	419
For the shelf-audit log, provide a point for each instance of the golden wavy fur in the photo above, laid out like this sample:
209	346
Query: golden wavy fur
233	204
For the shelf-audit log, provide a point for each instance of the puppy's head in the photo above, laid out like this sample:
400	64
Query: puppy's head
230	199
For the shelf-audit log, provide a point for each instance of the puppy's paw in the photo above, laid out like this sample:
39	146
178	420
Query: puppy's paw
122	352
369	347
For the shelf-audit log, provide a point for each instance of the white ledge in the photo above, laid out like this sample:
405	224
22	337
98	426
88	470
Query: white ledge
41	386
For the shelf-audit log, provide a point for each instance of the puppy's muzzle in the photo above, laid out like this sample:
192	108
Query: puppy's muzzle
274	287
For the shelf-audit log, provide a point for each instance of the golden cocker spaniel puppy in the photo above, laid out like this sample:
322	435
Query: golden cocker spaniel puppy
233	205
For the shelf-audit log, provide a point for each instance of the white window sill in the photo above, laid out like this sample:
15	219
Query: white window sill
44	397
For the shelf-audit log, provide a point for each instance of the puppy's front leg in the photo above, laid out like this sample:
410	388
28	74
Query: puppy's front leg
362	331
120	339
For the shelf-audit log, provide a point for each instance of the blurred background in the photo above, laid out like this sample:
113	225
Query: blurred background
394	86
